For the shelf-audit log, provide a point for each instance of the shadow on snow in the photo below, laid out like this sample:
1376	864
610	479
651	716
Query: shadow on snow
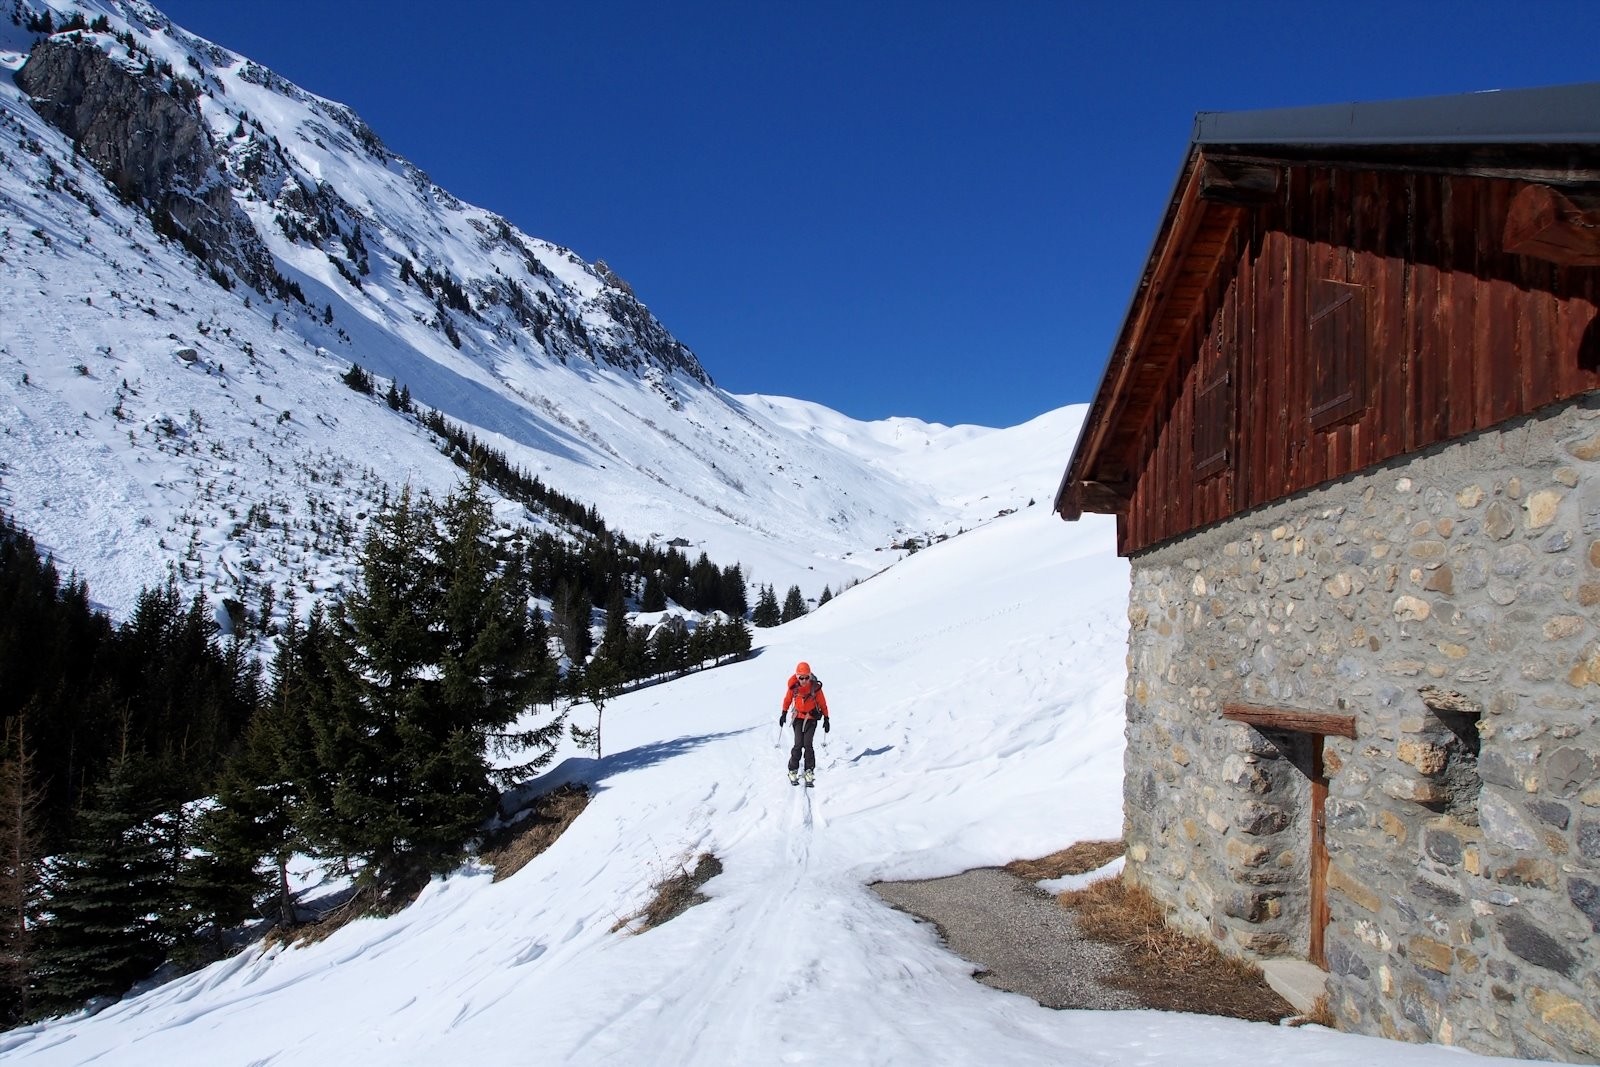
586	771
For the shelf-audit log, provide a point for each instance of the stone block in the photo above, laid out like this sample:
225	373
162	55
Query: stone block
1587	449
1342	882
1259	820
1426	952
1246	854
1426	757
1585	896
1530	942
1411	609
1560	627
1575	1023
1420	791
1542	507
1528	871
1343	959
1589	840
1504	824
1253	906
1442	847
1550	813
1436	897
1499	521
1568	769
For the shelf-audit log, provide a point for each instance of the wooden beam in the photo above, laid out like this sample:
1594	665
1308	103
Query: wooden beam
1293	719
1549	224
1245	184
1177	230
1102	498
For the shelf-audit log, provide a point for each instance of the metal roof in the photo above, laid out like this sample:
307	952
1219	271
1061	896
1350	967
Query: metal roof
1560	114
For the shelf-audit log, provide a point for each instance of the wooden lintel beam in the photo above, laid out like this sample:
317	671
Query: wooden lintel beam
1550	224
1293	719
1231	182
1100	498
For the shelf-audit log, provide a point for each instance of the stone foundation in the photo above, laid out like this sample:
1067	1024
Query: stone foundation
1449	603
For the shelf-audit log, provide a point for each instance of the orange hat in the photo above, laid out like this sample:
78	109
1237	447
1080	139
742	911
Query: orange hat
802	667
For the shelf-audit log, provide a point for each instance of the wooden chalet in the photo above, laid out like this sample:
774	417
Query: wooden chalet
1350	430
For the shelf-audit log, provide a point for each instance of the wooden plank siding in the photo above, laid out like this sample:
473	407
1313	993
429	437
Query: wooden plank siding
1453	333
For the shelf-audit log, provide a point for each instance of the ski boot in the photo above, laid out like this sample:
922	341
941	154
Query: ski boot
794	777
811	778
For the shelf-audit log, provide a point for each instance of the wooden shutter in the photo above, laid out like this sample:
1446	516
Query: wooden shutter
1338	350
1213	401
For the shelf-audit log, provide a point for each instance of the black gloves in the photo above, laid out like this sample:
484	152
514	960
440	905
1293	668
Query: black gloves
827	724
783	718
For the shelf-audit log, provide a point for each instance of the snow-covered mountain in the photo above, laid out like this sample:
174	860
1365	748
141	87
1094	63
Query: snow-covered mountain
194	252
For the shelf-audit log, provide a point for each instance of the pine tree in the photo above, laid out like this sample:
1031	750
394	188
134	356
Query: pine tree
615	637
367	739
20	901
827	595
794	604
655	597
767	612
494	666
108	892
433	660
597	684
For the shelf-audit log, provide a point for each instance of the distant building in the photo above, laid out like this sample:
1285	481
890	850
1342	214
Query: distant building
1351	434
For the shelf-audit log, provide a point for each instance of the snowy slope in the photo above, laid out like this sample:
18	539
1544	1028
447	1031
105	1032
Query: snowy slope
977	695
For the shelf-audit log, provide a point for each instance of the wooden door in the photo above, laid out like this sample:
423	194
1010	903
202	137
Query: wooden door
1319	856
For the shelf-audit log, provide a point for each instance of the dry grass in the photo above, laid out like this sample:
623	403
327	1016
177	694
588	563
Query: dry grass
1166	969
1321	1014
511	849
1081	858
675	894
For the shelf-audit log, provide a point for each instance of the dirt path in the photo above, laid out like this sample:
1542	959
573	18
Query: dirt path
1022	940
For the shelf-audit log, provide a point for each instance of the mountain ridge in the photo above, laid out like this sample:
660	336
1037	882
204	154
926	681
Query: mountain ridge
154	398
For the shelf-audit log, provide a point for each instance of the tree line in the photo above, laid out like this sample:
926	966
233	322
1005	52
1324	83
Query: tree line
155	781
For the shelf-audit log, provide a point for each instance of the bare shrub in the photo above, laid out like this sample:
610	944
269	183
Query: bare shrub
675	894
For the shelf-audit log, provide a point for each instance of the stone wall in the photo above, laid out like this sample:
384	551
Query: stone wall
1447	602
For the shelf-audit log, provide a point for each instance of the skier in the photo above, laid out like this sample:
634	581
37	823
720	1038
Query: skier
805	695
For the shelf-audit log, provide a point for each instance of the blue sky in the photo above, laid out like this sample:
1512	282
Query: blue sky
929	209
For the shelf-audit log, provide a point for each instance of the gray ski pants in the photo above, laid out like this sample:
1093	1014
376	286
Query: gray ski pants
804	731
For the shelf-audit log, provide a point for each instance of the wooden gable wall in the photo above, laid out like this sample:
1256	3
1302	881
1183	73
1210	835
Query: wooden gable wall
1382	297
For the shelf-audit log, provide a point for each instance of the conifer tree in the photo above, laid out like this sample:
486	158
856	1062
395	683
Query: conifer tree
827	595
597	684
432	661
615	638
794	604
108	892
20	901
494	663
367	735
655	597
767	612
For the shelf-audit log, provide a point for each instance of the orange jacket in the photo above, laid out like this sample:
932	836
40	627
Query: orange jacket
808	701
